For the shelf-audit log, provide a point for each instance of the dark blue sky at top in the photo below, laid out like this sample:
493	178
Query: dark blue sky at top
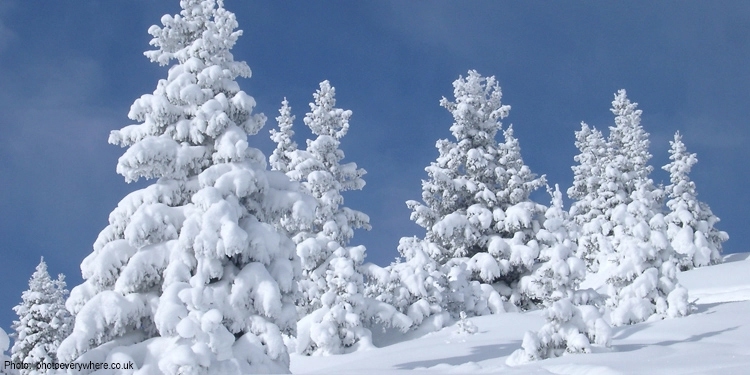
70	69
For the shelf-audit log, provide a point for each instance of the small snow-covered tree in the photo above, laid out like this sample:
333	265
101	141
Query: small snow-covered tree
415	283
570	327
285	146
641	270
690	222
192	275
43	322
476	208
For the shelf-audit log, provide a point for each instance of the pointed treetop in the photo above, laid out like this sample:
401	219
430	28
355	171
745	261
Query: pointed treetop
556	197
280	158
478	107
201	30
628	138
324	118
679	169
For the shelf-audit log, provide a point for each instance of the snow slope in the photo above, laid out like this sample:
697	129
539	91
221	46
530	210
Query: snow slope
713	340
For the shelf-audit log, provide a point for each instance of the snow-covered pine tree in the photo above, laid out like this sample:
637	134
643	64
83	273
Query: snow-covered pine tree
285	146
333	309
192	275
322	175
587	210
641	270
690	222
554	282
43	322
476	211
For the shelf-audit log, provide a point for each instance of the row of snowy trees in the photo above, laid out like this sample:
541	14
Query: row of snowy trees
227	262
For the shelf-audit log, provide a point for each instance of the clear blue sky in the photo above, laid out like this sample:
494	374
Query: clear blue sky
70	69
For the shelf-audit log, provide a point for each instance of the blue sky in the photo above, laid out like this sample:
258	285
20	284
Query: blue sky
70	69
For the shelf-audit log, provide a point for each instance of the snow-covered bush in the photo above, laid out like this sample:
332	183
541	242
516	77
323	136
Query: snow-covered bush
554	283
415	284
43	322
690	222
192	274
465	326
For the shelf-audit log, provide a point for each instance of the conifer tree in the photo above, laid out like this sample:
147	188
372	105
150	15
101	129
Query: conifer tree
476	208
569	327
588	207
320	172
642	267
285	146
691	224
192	275
334	312
415	283
43	322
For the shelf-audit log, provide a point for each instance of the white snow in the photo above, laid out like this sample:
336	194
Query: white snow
712	340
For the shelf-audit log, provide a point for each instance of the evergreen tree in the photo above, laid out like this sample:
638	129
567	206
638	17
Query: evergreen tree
569	328
43	322
333	308
641	269
588	207
476	211
192	275
322	175
280	158
415	283
690	222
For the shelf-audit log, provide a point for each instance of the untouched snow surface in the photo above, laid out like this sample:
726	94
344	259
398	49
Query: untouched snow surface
712	340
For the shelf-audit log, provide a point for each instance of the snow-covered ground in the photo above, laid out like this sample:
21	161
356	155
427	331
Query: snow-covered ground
715	339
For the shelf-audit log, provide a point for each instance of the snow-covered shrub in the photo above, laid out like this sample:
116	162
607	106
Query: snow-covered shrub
415	284
342	322
465	326
192	274
691	224
43	322
554	283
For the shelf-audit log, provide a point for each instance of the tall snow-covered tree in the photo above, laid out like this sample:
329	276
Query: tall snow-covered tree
43	322
324	177
192	276
588	207
476	208
334	311
690	222
641	269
